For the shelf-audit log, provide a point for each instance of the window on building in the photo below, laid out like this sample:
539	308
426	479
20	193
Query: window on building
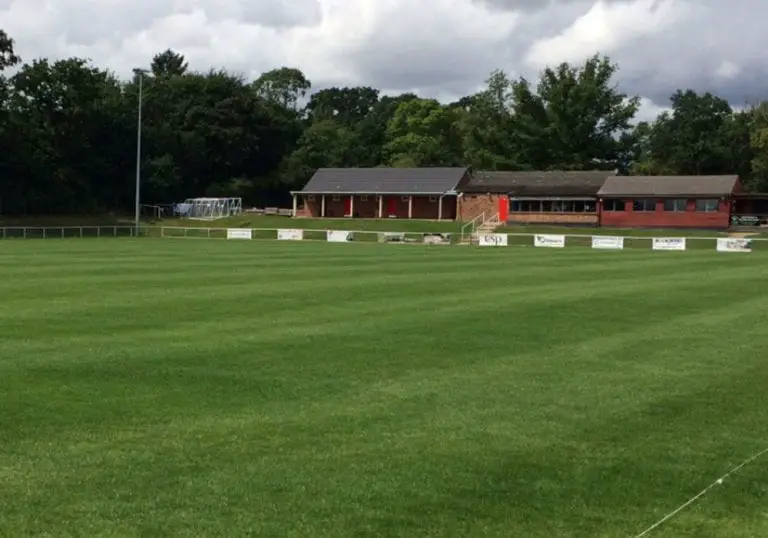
613	205
708	205
645	204
676	204
591	207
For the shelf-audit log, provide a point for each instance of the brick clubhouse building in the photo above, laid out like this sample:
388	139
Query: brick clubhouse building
569	198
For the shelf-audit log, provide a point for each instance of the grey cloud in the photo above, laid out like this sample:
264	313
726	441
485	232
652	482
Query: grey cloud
270	13
410	46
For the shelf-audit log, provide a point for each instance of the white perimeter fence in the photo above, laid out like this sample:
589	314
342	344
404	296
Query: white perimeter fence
600	242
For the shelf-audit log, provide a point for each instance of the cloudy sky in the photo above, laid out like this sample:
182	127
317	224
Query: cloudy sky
439	48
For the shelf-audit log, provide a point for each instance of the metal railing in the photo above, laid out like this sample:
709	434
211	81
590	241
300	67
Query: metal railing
371	236
468	230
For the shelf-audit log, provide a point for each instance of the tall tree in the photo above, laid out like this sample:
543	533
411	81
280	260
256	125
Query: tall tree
487	125
284	86
574	119
346	105
759	146
168	63
698	136
423	132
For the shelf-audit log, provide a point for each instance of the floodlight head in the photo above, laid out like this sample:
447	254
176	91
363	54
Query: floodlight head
140	71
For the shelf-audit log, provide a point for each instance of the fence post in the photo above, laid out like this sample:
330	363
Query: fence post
44	234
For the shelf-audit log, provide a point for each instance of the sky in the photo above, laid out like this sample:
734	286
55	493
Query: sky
441	48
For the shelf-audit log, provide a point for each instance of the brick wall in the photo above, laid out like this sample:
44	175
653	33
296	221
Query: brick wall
582	219
472	205
690	218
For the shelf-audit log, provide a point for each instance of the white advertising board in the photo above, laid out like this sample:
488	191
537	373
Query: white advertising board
336	236
492	240
239	233
290	235
668	243
734	244
552	241
616	243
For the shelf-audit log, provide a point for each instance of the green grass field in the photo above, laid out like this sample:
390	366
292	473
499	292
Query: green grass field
154	387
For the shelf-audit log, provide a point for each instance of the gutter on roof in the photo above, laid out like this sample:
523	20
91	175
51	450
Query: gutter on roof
670	196
586	197
374	193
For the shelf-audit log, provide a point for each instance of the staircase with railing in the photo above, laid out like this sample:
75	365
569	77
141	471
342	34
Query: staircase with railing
479	225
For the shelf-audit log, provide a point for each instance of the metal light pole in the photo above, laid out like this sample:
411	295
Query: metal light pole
139	73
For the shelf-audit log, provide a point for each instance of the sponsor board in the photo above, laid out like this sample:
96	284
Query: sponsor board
239	233
437	239
552	241
493	240
607	242
290	235
734	244
668	243
336	236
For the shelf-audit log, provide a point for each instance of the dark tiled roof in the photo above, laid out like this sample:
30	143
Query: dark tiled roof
550	183
384	180
668	186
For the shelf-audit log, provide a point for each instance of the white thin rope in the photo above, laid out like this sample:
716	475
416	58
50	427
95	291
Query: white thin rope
703	492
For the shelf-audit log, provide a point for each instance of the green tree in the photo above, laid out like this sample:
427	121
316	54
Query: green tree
486	122
758	136
701	135
64	116
168	63
574	119
423	132
324	144
8	57
284	86
346	105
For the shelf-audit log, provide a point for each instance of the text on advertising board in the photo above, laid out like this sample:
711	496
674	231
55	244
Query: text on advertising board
668	243
290	235
492	240
554	241
239	233
734	244
606	242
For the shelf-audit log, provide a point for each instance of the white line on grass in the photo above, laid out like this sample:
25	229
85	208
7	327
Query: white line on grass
703	492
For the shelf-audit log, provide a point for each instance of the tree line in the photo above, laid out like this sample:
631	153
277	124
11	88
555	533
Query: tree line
68	131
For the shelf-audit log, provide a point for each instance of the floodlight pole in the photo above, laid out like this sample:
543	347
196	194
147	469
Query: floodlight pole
140	73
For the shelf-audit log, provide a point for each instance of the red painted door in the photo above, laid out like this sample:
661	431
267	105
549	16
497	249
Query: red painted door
391	206
504	208
348	206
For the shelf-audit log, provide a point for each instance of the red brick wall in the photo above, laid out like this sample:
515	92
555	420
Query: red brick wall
472	205
586	219
690	218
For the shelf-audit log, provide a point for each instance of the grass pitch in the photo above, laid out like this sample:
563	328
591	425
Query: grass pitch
210	388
